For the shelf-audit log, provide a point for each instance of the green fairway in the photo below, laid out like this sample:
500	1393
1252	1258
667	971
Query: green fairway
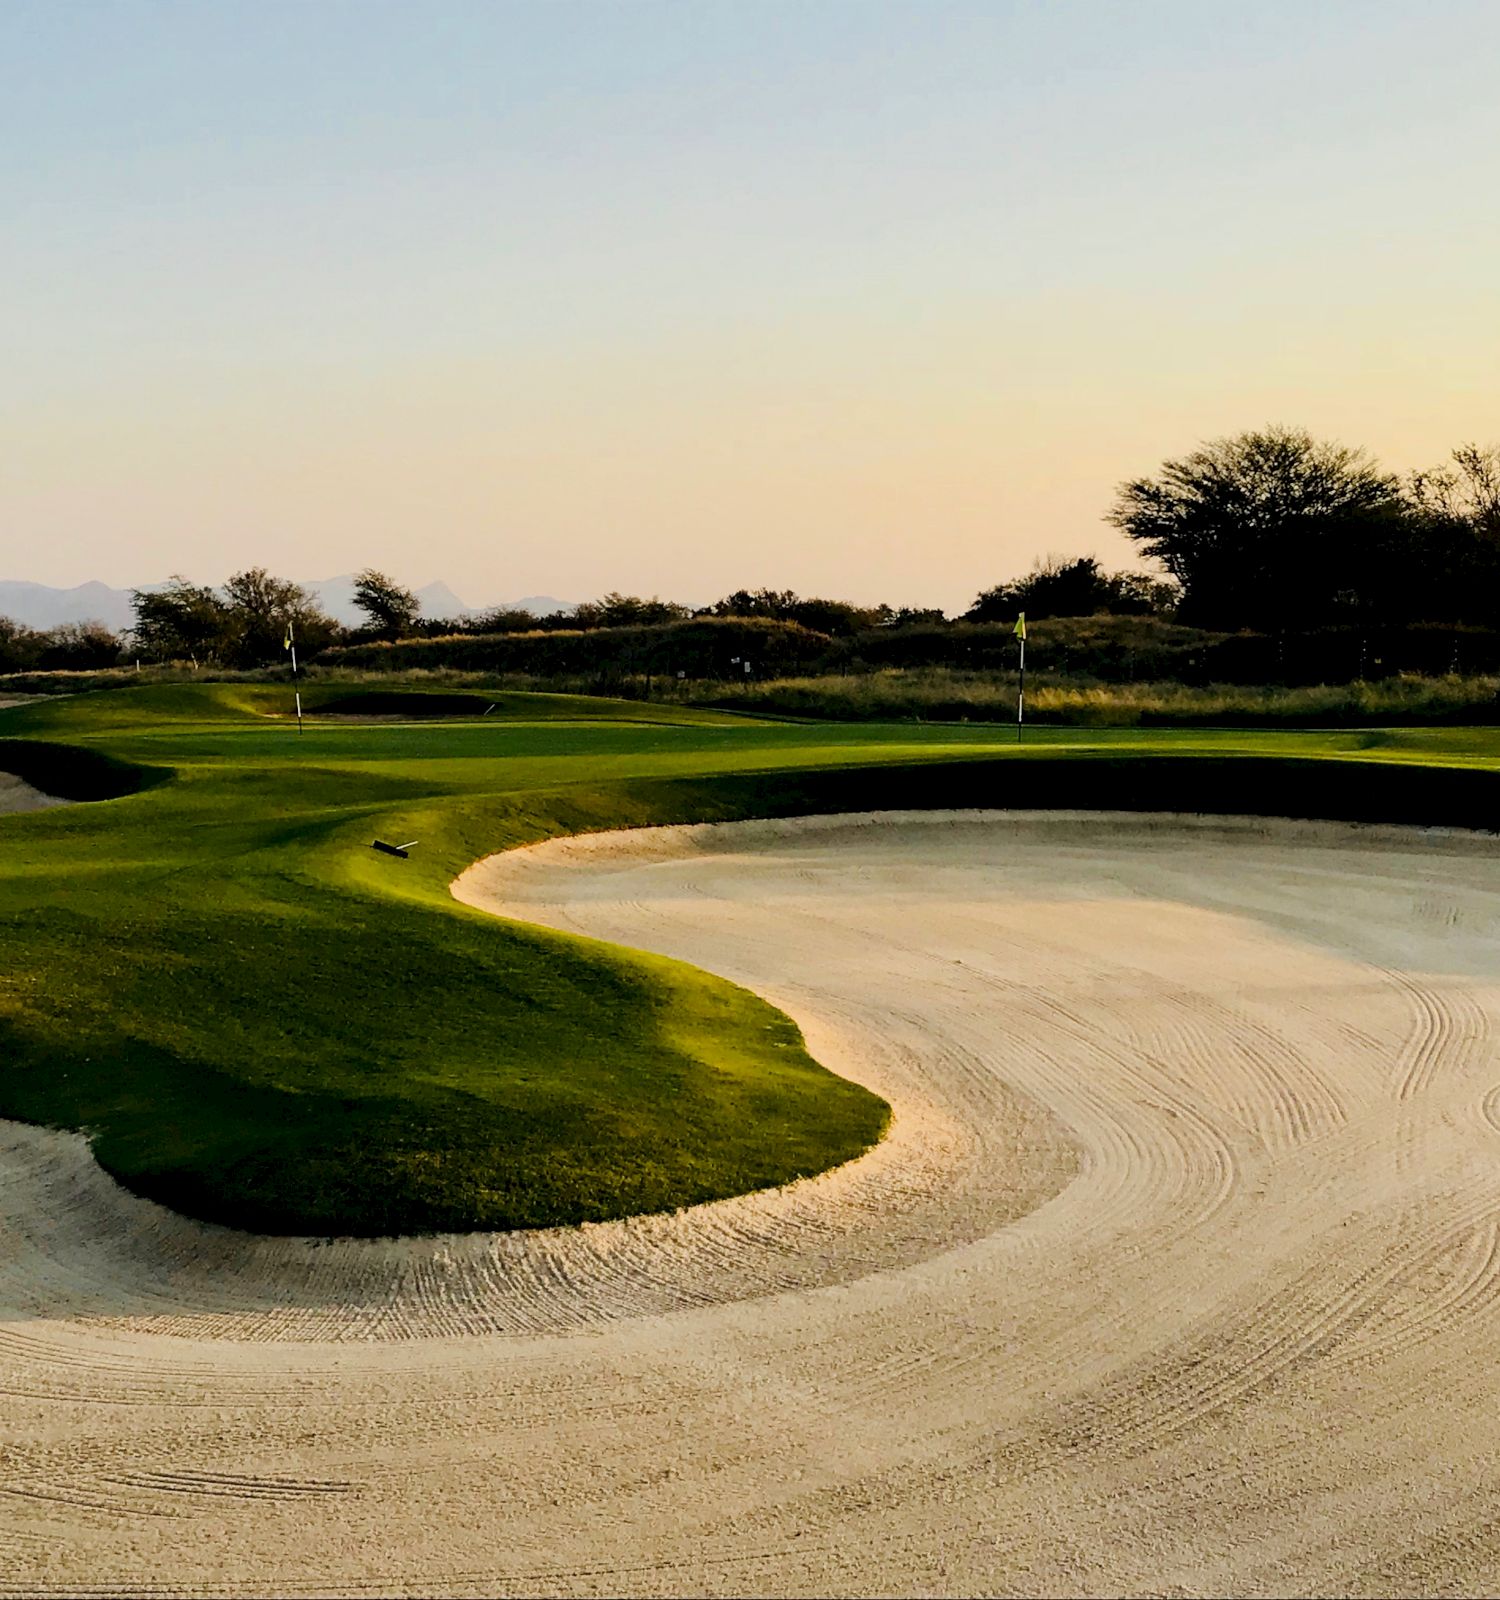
261	1021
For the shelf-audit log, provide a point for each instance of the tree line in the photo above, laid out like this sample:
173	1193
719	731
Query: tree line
1274	530
69	647
245	623
1270	531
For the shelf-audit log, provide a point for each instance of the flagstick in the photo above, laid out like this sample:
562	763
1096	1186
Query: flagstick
1021	692
291	644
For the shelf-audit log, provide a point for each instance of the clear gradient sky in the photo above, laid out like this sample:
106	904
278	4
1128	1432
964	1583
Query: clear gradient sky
856	297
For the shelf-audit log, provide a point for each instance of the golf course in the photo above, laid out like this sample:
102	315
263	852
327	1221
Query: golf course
265	1023
728	1155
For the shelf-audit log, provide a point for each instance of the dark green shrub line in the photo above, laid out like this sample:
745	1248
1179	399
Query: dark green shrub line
1103	649
705	647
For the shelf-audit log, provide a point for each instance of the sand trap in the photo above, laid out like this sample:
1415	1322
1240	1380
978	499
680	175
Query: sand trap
18	795
1180	1270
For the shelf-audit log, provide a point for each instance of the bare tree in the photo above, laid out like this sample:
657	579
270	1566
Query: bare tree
1467	492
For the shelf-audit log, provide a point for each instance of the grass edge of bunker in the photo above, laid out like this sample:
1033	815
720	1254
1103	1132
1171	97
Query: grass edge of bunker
264	1024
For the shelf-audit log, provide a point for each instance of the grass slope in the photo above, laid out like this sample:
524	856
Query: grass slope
263	1022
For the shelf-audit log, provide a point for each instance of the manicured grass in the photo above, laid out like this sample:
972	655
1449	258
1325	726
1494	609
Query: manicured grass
263	1022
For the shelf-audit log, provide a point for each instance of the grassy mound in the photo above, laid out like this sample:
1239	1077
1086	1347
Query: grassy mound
263	1022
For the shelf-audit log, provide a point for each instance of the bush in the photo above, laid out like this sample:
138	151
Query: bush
78	647
69	647
1116	649
705	647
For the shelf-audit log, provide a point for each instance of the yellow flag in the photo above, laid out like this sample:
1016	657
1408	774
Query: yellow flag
1020	628
286	644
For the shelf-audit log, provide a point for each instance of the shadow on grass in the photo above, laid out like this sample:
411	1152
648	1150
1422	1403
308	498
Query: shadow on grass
70	773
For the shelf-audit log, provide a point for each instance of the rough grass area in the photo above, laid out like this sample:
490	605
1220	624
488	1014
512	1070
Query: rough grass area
263	1022
885	694
939	694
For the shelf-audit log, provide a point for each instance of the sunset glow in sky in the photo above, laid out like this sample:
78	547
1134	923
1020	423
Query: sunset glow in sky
870	299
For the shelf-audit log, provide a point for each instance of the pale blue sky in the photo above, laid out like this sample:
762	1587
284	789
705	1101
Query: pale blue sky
871	298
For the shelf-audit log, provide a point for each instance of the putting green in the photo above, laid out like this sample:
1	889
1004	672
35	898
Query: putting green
261	1021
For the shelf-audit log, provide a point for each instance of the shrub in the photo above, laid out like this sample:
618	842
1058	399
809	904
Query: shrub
705	647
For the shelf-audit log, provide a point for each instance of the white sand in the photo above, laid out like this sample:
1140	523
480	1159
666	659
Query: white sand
18	795
1180	1271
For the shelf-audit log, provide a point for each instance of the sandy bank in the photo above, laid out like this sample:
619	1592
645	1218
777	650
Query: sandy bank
18	795
1180	1269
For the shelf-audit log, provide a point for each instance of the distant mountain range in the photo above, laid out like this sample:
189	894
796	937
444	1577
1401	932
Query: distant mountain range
36	605
336	596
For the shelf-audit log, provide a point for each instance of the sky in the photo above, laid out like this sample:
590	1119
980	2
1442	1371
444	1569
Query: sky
869	299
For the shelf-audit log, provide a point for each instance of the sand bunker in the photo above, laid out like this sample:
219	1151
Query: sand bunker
1180	1270
18	795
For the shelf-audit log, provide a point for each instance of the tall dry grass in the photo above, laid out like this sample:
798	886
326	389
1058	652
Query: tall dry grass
943	695
927	694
